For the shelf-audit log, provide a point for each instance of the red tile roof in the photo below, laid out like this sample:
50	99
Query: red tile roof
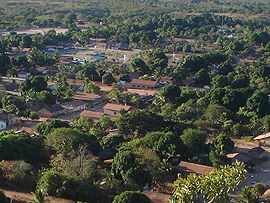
92	114
86	96
144	82
157	197
194	168
117	107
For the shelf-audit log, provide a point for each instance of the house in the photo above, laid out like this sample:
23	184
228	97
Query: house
182	41
265	196
114	109
187	168
263	140
51	111
7	120
92	114
157	197
75	105
93	99
234	157
119	46
52	85
42	69
142	84
24	75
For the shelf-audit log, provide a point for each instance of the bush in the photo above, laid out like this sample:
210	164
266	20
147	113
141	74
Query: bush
131	197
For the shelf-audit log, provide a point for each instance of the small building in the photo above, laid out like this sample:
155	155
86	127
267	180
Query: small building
51	111
187	168
263	140
7	120
52	85
157	197
92	114
24	75
92	99
234	157
75	105
142	84
115	109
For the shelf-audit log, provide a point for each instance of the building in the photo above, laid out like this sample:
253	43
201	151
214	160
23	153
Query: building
157	197
92	99
75	105
24	75
52	85
142	84
263	140
187	168
7	120
115	109
51	111
233	157
92	114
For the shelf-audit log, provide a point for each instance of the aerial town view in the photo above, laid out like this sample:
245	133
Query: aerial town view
135	101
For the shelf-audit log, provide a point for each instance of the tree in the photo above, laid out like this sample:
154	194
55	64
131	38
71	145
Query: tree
89	72
219	81
170	93
202	77
65	140
139	122
91	88
125	168
259	103
36	83
195	140
246	195
157	61
111	142
138	65
131	197
46	127
212	187
45	97
83	123
39	196
223	144
50	182
108	79
26	42
170	148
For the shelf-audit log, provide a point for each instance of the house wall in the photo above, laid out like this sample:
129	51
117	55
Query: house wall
111	112
138	86
13	121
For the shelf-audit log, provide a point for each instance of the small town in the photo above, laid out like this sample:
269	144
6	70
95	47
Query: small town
135	101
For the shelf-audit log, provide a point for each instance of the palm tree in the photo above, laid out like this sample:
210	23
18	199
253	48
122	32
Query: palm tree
39	196
246	195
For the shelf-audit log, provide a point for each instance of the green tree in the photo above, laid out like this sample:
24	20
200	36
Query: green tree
138	65
195	140
36	83
46	127
170	93
246	195
108	79
259	103
223	144
212	187
39	197
91	88
131	197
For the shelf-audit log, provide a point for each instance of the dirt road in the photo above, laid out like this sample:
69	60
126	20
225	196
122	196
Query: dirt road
19	197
